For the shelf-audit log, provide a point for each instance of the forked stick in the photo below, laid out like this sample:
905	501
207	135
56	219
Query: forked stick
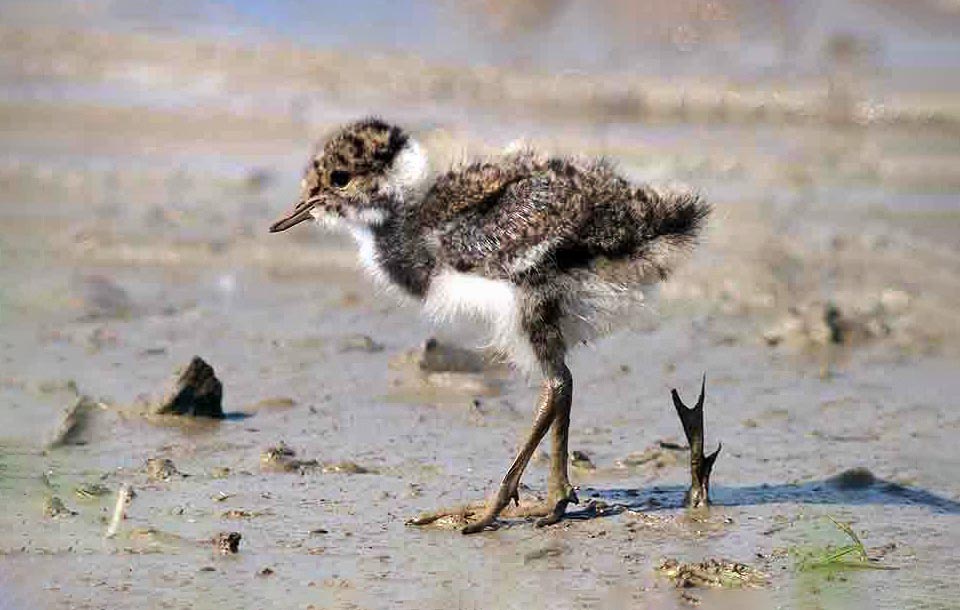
700	465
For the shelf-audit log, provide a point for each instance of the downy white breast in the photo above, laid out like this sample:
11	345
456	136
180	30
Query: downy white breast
453	295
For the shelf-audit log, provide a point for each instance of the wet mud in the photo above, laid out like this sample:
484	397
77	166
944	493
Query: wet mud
821	306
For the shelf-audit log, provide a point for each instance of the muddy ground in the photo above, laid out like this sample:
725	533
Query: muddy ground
821	308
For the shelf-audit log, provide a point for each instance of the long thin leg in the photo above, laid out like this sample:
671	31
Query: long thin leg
541	323
561	492
546	410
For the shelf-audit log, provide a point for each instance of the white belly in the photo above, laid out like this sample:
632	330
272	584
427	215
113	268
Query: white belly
453	295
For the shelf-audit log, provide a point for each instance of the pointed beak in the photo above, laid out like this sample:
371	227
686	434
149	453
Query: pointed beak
299	214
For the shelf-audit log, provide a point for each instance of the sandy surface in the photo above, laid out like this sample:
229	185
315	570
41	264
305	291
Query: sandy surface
135	238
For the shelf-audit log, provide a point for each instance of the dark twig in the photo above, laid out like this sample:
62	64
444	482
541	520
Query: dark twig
700	465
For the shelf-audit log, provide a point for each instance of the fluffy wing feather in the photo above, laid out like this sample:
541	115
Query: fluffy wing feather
523	225
558	215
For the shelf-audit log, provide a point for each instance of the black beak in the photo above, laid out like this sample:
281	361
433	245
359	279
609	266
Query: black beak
299	214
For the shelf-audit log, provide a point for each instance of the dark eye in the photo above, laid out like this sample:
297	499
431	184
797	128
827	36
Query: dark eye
340	178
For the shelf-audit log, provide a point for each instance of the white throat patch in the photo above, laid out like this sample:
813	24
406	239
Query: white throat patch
367	250
408	171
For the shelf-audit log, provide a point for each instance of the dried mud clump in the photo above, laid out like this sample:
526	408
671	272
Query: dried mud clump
712	573
281	458
101	298
91	491
161	469
54	508
347	467
74	425
196	392
360	343
579	459
439	357
819	324
664	454
853	478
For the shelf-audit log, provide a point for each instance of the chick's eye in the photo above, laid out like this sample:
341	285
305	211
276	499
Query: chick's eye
340	178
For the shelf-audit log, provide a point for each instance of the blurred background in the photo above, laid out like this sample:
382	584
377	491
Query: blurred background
168	134
116	114
146	147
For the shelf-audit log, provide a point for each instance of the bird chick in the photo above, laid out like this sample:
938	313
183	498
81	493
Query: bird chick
548	251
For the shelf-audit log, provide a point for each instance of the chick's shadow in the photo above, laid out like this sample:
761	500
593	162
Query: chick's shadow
856	487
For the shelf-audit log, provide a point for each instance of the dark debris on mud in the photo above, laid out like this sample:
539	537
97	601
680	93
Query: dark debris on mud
228	543
196	391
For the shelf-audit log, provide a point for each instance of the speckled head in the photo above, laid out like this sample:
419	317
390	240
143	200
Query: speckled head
361	174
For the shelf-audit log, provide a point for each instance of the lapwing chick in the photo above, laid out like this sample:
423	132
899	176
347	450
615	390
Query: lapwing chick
548	252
